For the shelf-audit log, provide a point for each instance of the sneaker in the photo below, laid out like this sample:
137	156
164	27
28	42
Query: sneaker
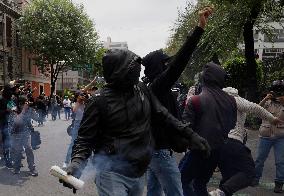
16	171
9	165
34	172
217	192
278	187
255	182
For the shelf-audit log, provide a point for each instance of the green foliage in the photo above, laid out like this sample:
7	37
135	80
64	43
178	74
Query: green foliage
238	79
224	31
59	33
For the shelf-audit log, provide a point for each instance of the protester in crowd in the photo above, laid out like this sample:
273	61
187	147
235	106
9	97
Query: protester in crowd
236	162
117	126
78	111
162	72
41	110
21	137
53	108
59	106
4	116
212	114
67	107
272	136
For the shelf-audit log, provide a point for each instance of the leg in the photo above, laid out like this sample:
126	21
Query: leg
264	147
17	147
206	170
153	185
111	184
29	151
137	187
279	159
237	167
168	174
189	168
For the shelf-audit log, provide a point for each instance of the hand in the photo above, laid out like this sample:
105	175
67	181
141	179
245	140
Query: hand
277	121
203	16
268	96
74	170
199	143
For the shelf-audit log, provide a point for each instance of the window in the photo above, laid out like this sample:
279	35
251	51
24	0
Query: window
30	65
9	31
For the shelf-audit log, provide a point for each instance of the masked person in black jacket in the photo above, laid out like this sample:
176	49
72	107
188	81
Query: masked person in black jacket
162	72
117	126
212	115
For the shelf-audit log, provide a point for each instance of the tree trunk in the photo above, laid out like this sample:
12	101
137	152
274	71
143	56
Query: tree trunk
251	64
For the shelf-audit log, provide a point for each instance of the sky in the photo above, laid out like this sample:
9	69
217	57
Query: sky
144	24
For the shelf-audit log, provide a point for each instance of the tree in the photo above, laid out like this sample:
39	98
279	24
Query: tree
60	35
232	23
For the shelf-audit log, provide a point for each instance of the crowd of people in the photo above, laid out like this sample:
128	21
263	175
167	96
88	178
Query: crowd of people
131	128
20	112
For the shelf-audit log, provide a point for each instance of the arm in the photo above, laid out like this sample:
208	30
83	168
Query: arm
89	85
189	113
268	96
244	105
175	68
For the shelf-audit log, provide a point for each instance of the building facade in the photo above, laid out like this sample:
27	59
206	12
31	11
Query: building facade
72	80
115	45
15	62
266	47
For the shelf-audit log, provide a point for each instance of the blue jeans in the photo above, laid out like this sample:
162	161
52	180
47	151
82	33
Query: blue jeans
74	135
265	144
67	113
113	184
163	175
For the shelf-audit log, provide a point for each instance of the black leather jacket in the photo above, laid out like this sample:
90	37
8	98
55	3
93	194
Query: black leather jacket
121	130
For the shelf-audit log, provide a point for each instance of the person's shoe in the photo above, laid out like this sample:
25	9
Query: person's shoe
9	165
217	192
278	187
255	182
34	172
16	171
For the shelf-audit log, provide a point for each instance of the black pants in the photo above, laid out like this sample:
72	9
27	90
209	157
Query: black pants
196	172
236	165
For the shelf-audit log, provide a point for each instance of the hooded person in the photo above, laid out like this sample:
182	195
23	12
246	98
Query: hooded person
212	113
116	126
162	72
236	163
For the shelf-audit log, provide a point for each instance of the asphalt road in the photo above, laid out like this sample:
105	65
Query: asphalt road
52	152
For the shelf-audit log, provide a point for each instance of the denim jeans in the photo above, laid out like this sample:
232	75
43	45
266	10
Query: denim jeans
74	135
265	144
67	113
19	141
163	175
113	184
196	171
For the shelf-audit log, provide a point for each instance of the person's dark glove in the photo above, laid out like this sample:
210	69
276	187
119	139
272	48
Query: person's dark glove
73	169
199	143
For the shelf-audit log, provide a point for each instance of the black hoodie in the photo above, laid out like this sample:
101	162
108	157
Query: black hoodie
117	121
218	110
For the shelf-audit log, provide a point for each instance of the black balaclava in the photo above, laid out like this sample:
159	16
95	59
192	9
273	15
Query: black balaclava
154	63
121	69
213	80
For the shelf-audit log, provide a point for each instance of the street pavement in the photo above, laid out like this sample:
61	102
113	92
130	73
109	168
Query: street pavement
52	152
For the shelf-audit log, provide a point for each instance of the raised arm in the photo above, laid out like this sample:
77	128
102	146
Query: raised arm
177	65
